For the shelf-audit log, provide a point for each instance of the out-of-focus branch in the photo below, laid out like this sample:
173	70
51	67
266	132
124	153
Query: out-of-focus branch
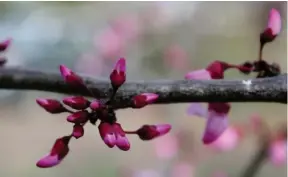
272	89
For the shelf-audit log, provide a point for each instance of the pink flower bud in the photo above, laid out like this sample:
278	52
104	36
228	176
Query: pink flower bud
5	44
149	132
76	102
70	77
51	105
118	75
215	126
79	117
78	131
95	105
201	74
107	134
59	150
216	69
273	28
139	101
121	140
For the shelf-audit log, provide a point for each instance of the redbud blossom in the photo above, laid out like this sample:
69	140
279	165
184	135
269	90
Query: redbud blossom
78	131
121	140
51	105
95	105
59	150
70	77
217	121
79	117
5	44
149	132
76	102
139	101
107	134
273	27
118	75
201	74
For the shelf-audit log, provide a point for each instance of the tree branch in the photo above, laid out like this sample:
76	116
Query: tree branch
272	89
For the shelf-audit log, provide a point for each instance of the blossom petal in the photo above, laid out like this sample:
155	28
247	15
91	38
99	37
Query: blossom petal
215	126
274	22
201	74
48	161
197	109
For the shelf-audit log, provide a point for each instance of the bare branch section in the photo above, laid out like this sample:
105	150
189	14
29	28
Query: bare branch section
273	89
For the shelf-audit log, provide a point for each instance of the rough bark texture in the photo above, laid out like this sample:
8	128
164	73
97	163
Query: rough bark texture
272	89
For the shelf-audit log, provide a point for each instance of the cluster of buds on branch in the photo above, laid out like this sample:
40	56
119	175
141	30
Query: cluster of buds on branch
110	130
3	47
217	113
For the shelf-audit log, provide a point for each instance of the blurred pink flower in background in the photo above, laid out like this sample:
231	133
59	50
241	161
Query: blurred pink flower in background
228	140
278	152
166	147
183	169
88	63
147	173
176	57
110	44
127	26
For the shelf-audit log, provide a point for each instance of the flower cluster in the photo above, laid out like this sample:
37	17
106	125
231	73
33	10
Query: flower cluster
3	47
110	130
217	113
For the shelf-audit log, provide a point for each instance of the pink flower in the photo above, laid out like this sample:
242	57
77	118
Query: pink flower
70	77
78	131
118	75
121	139
59	150
5	44
149	132
139	101
201	74
273	28
227	141
278	152
110	44
51	105
217	121
79	117
107	134
95	105
197	109
76	102
113	134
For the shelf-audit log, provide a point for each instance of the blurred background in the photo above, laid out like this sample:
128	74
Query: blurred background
160	40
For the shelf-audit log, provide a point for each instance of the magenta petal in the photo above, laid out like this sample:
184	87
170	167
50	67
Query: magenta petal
150	97
162	129
121	65
5	44
274	22
197	109
227	141
122	142
78	131
201	74
110	140
48	161
215	126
